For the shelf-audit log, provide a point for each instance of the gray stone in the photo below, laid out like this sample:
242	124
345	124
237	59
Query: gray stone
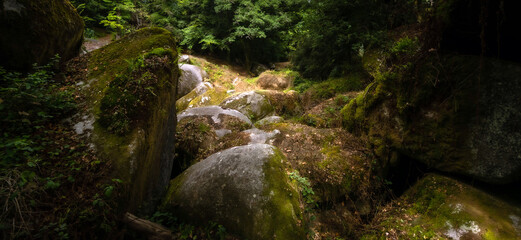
251	104
259	136
246	189
184	59
269	120
190	78
215	112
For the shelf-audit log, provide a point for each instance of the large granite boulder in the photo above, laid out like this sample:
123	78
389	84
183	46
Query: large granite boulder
190	78
35	31
331	158
439	207
202	131
252	104
133	109
455	107
471	130
246	189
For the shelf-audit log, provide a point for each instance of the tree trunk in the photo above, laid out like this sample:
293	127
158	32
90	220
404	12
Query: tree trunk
246	50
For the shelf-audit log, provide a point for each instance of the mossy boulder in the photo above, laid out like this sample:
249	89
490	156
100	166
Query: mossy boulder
332	159
131	92
212	97
284	103
246	189
439	207
252	104
106	62
35	31
183	102
471	129
203	131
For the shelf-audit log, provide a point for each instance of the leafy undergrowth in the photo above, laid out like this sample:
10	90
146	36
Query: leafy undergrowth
52	186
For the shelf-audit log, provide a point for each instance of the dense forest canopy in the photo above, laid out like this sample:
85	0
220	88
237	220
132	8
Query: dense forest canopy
321	37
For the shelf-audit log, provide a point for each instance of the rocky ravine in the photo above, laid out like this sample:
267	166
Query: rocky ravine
236	150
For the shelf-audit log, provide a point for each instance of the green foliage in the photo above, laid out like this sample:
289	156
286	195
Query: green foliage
305	188
118	18
405	45
254	31
27	104
333	33
336	34
112	14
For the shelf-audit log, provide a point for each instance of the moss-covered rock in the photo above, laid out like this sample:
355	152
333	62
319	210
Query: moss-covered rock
470	129
438	207
211	97
332	159
113	59
35	31
246	189
269	120
203	131
183	102
284	103
252	104
130	91
326	114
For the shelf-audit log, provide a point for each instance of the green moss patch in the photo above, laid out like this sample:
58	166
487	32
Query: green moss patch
113	59
438	207
130	94
283	209
130	90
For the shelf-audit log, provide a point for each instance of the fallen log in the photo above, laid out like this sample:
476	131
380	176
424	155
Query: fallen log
151	230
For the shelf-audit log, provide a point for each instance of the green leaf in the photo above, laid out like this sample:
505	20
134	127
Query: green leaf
52	185
108	191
